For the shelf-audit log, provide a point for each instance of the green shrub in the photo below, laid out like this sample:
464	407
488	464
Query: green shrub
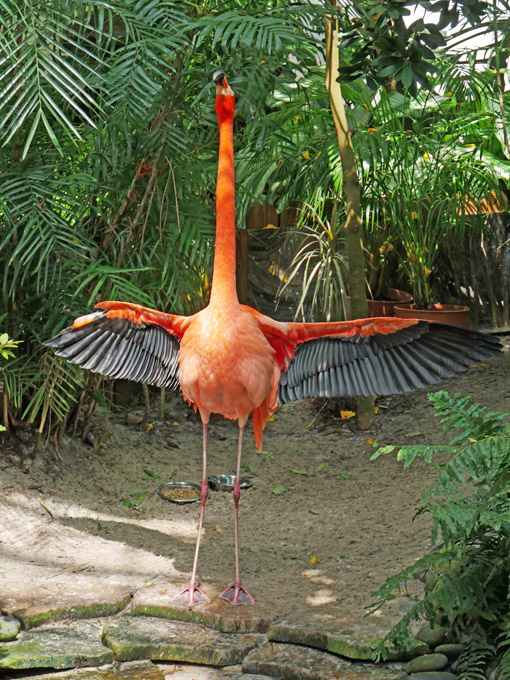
468	572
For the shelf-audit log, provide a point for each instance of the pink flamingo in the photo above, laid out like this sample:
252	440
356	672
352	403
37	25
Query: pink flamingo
230	359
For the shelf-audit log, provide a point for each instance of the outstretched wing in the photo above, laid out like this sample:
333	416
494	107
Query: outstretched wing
400	361
125	341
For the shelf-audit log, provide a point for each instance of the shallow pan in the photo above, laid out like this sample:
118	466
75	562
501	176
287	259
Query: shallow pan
226	482
179	492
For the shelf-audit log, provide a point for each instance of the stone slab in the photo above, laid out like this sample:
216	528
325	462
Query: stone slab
49	602
347	636
54	648
135	670
293	662
154	599
133	638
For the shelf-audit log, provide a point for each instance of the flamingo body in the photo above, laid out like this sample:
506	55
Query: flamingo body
230	359
226	364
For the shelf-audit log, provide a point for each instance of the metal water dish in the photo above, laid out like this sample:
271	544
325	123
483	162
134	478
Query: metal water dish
226	482
179	492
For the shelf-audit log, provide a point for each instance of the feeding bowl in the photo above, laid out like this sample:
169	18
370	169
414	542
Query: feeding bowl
226	482
179	492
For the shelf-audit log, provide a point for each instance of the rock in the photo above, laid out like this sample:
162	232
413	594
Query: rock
294	662
154	599
451	650
350	638
243	676
9	628
133	638
133	419
427	662
53	648
432	675
432	636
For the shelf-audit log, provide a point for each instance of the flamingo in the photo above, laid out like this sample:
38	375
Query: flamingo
230	359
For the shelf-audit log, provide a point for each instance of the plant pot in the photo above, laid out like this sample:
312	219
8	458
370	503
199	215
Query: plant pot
387	307
456	315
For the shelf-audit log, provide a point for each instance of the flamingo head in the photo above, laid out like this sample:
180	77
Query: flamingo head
225	101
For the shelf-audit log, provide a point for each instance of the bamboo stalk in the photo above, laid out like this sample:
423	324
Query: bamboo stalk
352	193
6	410
161	411
147	406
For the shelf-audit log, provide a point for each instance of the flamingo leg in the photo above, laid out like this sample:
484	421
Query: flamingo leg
192	595
237	593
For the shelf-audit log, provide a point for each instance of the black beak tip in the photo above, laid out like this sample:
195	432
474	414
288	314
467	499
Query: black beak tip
218	77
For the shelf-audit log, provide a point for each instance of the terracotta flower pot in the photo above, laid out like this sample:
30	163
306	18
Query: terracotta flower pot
456	315
387	307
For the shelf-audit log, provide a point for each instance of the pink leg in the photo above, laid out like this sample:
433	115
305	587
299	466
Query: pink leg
236	593
192	595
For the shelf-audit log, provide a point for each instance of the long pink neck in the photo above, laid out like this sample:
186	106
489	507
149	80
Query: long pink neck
223	289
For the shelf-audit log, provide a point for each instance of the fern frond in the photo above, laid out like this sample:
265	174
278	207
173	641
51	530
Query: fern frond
468	577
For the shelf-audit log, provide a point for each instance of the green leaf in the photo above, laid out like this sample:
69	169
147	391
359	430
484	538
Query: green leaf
279	490
299	472
346	475
406	75
150	475
320	467
31	132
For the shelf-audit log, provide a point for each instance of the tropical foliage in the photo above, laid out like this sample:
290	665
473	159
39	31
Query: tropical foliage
108	165
468	570
108	155
430	174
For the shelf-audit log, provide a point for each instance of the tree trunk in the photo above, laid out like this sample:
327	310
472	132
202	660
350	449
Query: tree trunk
352	193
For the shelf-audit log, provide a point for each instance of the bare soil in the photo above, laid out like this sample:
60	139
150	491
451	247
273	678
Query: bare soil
329	539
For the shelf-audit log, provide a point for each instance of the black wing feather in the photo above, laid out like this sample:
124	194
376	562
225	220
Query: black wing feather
119	348
414	357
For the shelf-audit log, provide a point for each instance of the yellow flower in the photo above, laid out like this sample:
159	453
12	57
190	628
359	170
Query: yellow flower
386	248
314	560
369	441
306	155
345	415
426	156
149	427
428	271
414	215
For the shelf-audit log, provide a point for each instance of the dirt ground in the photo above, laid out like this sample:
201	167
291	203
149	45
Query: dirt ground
331	538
